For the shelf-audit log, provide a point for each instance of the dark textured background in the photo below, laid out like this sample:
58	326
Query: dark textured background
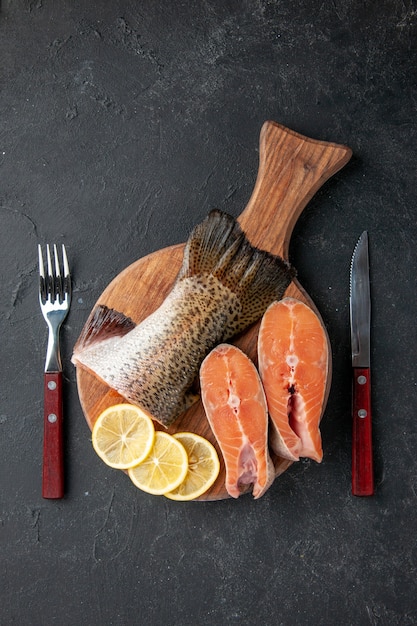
122	123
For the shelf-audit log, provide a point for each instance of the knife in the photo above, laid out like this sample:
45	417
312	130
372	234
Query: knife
360	329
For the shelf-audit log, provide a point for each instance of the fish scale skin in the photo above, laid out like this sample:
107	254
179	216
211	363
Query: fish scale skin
223	286
169	345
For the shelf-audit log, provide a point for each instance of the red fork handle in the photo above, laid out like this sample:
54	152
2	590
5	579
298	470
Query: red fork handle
362	458
53	458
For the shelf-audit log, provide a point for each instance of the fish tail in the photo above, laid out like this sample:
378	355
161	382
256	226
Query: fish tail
218	246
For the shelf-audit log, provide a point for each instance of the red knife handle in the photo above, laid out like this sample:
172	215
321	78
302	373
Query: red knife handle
53	458
362	458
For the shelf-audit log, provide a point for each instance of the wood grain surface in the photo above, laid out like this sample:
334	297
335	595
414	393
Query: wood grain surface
291	169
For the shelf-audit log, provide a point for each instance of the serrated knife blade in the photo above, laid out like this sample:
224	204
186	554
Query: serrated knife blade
360	331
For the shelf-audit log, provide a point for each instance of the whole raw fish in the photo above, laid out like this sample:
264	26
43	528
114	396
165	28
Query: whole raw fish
224	285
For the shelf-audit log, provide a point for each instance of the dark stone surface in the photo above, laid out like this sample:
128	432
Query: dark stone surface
122	123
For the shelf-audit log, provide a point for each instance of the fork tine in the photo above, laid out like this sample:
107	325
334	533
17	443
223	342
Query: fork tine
57	270
66	281
65	260
57	280
50	279
49	261
41	268
42	281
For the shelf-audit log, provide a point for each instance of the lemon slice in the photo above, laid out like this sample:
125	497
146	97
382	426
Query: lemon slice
203	467
165	467
123	436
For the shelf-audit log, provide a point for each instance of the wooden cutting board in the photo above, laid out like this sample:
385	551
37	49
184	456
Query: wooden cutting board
291	169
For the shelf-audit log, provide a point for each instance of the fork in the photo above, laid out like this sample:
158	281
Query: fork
54	299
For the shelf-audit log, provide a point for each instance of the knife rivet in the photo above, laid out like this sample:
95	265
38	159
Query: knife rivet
362	413
361	380
52	385
52	418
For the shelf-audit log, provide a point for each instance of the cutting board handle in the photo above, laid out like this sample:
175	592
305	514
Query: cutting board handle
291	169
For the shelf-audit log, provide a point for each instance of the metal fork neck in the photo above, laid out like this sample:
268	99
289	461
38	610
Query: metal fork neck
53	357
